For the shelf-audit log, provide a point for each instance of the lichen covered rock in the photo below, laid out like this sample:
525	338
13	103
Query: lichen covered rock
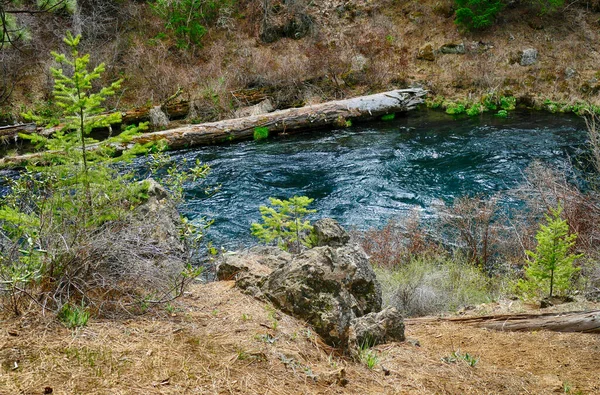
327	287
377	328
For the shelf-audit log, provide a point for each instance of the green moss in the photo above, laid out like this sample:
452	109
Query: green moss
388	117
261	133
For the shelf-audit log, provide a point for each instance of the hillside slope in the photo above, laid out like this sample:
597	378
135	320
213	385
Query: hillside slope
337	49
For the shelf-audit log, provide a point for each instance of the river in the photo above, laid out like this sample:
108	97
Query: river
369	173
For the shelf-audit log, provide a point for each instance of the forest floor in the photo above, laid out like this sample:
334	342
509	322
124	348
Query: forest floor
217	340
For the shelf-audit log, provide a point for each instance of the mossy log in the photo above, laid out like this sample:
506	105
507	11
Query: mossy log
582	322
334	113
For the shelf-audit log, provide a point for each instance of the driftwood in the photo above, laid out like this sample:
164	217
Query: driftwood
283	121
583	322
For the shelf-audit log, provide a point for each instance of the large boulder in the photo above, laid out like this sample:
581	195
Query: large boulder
328	232
327	287
263	107
250	268
377	328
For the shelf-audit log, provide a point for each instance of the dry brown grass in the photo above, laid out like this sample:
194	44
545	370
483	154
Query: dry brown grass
221	341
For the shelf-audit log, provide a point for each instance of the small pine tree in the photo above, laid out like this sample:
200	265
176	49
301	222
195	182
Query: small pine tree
82	109
477	14
550	268
284	222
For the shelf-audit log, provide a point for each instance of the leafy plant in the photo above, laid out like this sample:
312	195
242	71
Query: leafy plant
508	103
502	114
368	356
388	117
474	110
456	356
550	267
74	316
284	222
477	14
455	108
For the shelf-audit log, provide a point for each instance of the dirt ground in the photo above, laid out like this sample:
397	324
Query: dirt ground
217	340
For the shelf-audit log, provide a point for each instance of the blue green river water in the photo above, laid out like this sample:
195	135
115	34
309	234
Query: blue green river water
367	174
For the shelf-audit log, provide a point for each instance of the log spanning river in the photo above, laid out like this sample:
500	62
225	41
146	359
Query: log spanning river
370	173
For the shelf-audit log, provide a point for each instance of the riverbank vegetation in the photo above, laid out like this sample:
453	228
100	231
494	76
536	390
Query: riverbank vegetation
77	232
229	55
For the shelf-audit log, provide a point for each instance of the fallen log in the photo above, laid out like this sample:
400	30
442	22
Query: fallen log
283	121
580	321
10	132
292	119
173	110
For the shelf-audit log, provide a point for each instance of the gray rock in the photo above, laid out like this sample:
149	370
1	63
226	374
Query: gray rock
329	233
377	328
528	57
453	49
158	118
327	287
263	107
251	268
570	73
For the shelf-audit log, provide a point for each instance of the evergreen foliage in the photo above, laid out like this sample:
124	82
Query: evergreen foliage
187	19
477	14
57	223
284	222
82	109
550	267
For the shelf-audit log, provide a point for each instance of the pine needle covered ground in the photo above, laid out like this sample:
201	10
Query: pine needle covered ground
217	340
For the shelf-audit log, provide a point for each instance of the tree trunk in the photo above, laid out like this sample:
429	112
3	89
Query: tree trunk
586	322
335	113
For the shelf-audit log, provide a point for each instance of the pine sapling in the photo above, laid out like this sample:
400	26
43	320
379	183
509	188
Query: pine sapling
550	266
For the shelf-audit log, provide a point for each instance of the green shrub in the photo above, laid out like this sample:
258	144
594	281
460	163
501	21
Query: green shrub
489	102
261	133
477	14
550	267
284	222
73	316
474	110
508	103
502	114
434	284
187	19
455	108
